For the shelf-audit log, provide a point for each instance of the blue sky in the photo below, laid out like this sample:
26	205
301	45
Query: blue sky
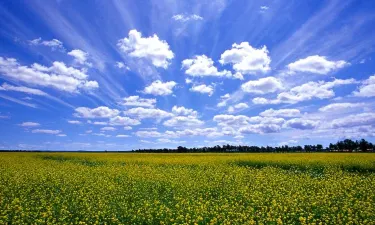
121	75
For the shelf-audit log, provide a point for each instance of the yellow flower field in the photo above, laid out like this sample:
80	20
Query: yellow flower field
136	188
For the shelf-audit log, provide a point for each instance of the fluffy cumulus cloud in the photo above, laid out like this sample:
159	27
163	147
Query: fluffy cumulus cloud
223	100
74	122
302	124
186	18
160	88
99	112
122	136
203	89
184	111
123	121
54	44
183	117
148	134
146	113
360	119
239	106
150	48
27	90
316	64
240	124
29	124
45	131
80	56
260	129
339	107
100	123
307	91
281	113
262	86
242	120
264	8
108	129
121	65
58	76
204	132
367	89
183	121
202	66
247	59
136	101
231	120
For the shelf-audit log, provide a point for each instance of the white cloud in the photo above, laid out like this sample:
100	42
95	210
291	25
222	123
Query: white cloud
260	129
151	48
8	87
361	119
122	136
61	135
148	134
29	124
247	59
139	102
123	121
108	129
148	128
54	44
4	117
80	56
224	100
203	89
256	124
121	65
264	8
239	106
166	140
307	91
144	113
100	123
183	121
58	76
262	86
101	134
202	66
207	132
339	107
99	112
45	131
184	111
301	124
160	88
231	120
315	64
188	81
281	113
290	142
74	122
186	18
367	89
128	128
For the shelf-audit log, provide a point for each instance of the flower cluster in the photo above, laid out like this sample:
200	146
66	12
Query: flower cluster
79	188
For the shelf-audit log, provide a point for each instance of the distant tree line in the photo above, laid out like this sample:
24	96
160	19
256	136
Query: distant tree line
346	145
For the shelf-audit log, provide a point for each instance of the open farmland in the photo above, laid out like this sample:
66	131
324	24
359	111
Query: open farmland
115	188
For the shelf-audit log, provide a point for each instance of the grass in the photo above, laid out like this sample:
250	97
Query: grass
138	188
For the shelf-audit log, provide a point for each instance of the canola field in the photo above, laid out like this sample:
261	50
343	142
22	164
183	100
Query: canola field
137	188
